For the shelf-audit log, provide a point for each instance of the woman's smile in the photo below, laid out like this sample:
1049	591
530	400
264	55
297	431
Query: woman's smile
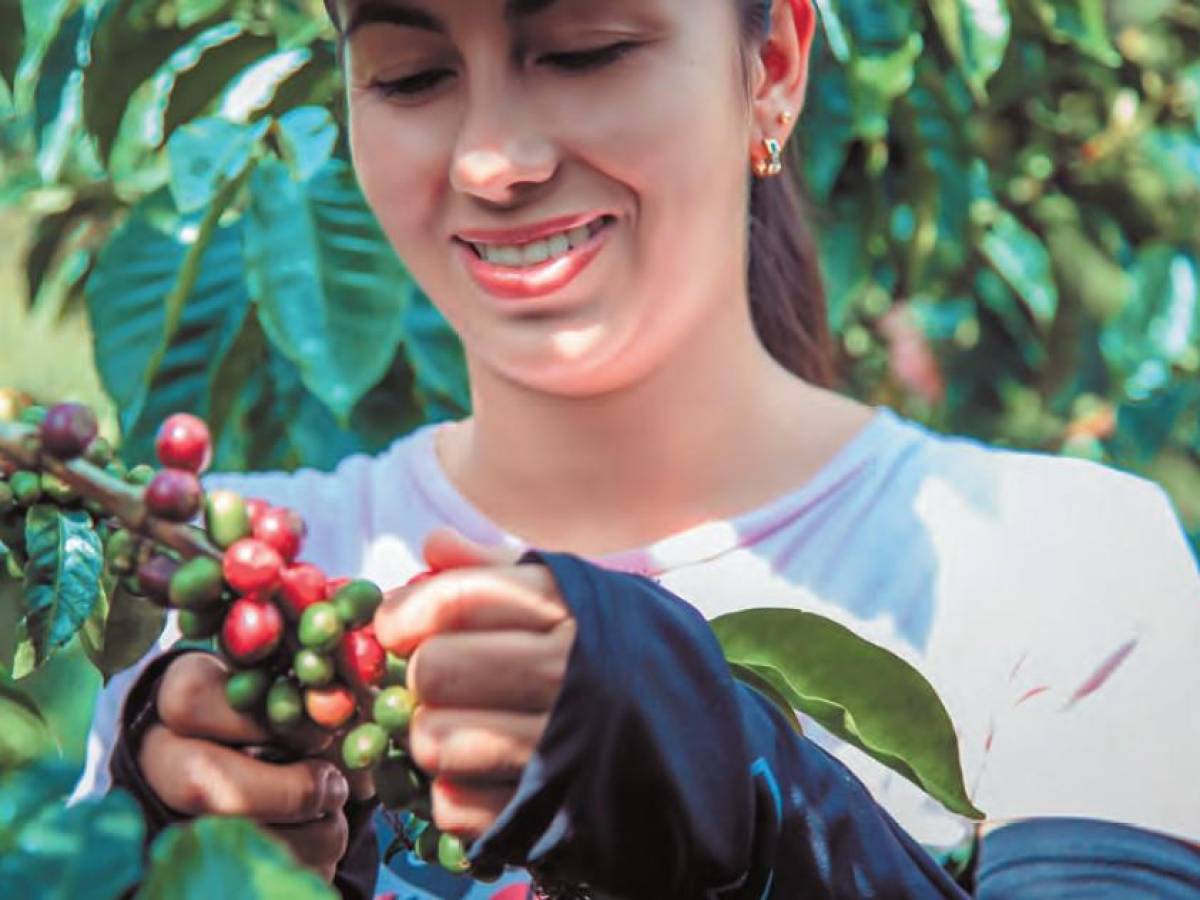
522	264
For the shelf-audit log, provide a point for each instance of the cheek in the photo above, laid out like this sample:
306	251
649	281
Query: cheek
398	168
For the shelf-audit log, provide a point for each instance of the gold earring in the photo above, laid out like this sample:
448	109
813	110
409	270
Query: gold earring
773	163
785	118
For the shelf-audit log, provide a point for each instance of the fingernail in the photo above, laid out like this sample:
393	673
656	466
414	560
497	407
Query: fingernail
337	789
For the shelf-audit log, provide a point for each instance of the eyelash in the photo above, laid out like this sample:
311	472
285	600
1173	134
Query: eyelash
572	63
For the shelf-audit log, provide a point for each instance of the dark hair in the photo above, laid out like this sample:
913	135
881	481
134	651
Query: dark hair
787	295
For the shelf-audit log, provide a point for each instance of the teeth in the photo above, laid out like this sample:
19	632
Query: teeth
538	251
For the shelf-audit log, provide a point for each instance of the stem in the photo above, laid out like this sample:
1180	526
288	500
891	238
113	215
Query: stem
19	443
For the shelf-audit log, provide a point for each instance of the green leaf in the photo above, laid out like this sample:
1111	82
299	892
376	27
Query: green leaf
1022	260
859	692
12	44
764	686
121	630
435	356
307	137
328	285
25	793
65	561
56	852
1082	23
226	858
207	155
24	736
127	49
976	32
137	269
225	51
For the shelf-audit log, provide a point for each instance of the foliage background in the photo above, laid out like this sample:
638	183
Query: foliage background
1006	193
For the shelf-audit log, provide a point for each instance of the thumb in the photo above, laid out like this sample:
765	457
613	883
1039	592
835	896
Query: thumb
446	548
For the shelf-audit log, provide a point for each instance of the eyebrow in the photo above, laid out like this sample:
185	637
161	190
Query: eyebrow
390	12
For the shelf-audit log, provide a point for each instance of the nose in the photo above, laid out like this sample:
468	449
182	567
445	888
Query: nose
501	148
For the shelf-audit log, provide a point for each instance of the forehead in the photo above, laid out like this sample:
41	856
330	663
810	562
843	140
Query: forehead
351	14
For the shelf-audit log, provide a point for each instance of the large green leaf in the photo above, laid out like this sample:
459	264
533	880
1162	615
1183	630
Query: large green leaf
137	269
1022	260
24	736
226	858
65	562
50	851
127	49
435	356
854	689
206	156
12	43
328	286
121	630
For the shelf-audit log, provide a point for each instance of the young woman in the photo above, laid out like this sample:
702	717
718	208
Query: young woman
589	191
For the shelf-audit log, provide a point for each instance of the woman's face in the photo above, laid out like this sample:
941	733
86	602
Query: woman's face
566	179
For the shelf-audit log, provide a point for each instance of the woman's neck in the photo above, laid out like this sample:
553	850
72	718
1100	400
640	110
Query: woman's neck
693	443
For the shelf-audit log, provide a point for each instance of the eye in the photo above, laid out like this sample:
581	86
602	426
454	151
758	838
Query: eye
413	85
583	60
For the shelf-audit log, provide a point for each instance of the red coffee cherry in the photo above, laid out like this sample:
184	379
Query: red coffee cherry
300	586
68	429
360	658
282	529
255	508
250	565
329	707
252	630
183	442
174	495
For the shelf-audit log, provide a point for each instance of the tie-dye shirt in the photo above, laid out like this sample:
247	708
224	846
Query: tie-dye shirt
1053	603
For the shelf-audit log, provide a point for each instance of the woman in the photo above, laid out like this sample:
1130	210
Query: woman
569	181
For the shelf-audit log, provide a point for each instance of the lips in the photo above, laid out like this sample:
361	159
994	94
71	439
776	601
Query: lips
509	282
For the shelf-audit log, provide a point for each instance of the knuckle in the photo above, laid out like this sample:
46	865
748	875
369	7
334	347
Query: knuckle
431	674
424	742
184	688
192	786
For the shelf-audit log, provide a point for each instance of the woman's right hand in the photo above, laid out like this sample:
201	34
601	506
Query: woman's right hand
192	763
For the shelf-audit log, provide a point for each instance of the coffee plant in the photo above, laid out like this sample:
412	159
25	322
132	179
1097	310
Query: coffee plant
1005	196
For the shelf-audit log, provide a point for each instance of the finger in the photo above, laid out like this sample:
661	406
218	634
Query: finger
474	745
191	702
198	777
468	810
476	599
319	845
446	548
510	670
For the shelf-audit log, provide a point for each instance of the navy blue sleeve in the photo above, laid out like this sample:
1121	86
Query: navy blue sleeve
660	776
1041	859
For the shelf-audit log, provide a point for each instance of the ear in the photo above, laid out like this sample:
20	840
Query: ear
782	68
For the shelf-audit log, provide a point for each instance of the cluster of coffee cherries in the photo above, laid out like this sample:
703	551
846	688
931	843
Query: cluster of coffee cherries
301	645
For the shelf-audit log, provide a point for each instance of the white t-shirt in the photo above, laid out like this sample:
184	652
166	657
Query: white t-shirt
1053	603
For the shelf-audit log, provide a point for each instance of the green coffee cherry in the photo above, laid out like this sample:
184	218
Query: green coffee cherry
312	668
226	518
356	602
397	783
120	550
285	706
364	746
452	854
198	624
58	490
8	500
393	709
245	690
321	627
140	475
26	487
32	415
99	452
197	584
117	469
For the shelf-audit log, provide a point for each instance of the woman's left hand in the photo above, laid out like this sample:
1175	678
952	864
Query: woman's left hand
487	642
